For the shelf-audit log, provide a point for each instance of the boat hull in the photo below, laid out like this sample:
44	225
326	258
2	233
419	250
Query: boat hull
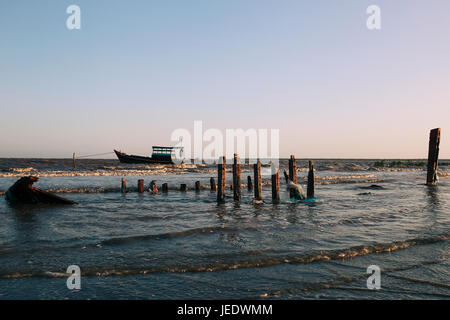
126	158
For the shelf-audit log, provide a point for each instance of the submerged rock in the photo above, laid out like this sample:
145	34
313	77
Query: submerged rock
373	187
23	192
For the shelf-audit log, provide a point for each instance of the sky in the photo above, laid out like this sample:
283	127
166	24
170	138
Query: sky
138	70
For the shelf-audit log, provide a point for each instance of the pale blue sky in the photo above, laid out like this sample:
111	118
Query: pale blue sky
137	70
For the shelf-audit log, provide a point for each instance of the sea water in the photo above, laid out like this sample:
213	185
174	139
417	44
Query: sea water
183	245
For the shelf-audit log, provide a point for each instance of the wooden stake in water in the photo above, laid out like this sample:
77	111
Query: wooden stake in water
275	185
221	167
236	178
183	187
286	176
73	160
310	190
292	173
257	177
124	185
141	185
292	169
433	155
165	187
197	186
249	183
212	182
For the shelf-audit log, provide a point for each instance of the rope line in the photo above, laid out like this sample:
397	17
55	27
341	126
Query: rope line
93	155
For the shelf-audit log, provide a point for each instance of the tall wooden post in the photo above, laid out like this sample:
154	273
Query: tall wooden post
293	169
123	189
433	154
73	160
236	178
275	185
292	173
286	176
197	186
310	190
221	167
257	178
165	187
141	185
249	183
212	182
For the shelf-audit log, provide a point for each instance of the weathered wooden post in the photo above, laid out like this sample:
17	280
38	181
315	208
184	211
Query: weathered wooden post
212	182
275	185
73	160
141	185
153	188
123	189
286	176
197	186
292	169
310	190
165	188
292	173
183	187
257	178
249	183
236	178
433	154
221	167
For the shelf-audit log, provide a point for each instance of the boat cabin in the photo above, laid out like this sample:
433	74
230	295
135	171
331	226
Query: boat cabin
167	153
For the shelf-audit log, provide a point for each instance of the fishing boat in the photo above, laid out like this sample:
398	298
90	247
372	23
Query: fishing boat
164	155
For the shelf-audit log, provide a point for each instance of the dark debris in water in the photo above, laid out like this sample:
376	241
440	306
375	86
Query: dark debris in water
373	187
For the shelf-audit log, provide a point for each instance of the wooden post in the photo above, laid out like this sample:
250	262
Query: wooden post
123	189
73	160
275	185
292	173
197	186
165	187
310	190
236	178
183	187
286	176
141	185
249	183
433	154
257	178
153	188
292	169
221	180
213	184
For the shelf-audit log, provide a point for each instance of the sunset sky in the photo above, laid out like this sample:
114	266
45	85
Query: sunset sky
137	70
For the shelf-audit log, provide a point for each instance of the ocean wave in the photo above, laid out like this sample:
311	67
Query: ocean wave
9	250
325	180
333	284
350	181
177	234
265	261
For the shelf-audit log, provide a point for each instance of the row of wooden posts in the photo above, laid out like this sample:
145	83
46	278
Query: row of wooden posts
275	181
433	154
236	184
